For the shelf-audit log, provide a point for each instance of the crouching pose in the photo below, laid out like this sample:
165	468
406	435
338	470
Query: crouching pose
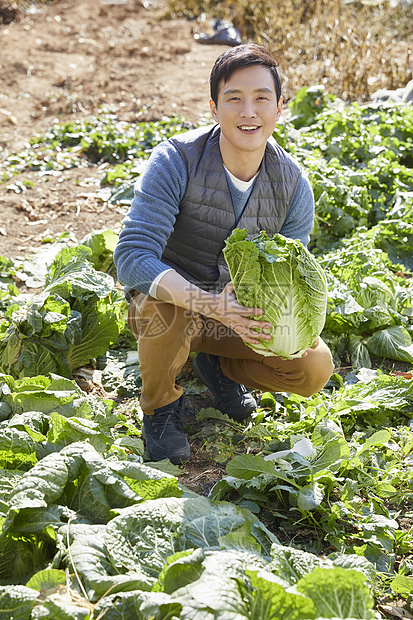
197	187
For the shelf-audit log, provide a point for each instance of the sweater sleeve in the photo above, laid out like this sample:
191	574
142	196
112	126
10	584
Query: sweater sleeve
150	220
300	218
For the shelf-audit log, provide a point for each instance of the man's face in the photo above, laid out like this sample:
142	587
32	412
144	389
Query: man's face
247	109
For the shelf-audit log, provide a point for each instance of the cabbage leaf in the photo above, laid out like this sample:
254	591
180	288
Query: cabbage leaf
280	276
76	317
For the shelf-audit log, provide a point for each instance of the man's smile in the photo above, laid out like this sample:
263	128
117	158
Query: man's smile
248	128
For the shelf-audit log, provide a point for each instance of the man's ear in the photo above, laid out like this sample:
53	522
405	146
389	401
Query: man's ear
213	109
279	108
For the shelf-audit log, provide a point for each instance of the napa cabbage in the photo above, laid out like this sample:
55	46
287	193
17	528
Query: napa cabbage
75	318
283	278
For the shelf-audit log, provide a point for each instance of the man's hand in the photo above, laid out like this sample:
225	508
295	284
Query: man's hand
173	288
314	346
230	313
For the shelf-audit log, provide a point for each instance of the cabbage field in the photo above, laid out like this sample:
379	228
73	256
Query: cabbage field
313	515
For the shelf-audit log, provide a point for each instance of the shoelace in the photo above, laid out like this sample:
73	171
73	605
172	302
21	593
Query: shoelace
228	384
160	421
234	390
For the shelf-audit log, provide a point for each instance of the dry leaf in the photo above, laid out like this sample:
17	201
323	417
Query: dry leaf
395	612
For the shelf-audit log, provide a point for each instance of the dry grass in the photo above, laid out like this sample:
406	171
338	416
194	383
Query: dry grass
353	49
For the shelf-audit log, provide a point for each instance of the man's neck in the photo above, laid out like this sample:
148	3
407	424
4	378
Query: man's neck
244	165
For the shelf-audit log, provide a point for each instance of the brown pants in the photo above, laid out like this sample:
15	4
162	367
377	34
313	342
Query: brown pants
166	334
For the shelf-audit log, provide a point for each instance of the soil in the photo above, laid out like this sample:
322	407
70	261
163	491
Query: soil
65	59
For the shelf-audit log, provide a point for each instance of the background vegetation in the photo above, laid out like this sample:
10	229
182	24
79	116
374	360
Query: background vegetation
353	48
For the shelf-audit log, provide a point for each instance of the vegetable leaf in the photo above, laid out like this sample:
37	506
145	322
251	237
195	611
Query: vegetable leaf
281	277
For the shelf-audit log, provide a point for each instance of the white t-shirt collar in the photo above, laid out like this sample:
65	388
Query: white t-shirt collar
243	186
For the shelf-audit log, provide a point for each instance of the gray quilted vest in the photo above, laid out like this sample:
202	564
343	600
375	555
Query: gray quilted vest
206	216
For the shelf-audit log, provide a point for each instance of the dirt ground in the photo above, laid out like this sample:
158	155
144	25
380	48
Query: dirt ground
63	60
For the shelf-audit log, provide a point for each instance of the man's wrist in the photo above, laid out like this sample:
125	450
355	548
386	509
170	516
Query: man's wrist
203	302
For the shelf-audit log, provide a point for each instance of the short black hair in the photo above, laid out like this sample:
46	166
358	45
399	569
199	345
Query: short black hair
240	57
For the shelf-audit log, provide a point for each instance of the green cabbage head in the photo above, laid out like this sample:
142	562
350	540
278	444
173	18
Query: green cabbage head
280	276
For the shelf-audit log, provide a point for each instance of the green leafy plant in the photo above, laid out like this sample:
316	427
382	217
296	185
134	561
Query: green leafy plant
313	517
75	318
281	277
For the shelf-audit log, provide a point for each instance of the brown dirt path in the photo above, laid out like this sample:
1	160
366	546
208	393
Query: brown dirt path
64	60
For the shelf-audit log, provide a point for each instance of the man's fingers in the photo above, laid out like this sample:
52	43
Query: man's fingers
251	332
252	340
251	311
260	327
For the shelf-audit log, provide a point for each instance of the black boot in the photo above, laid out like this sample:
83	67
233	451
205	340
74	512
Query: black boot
230	397
164	435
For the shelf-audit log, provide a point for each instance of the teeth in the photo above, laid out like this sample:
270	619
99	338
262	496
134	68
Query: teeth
247	127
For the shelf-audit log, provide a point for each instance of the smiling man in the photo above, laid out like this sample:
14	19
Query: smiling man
246	108
197	187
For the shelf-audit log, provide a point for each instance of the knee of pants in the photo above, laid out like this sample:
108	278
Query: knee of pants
317	374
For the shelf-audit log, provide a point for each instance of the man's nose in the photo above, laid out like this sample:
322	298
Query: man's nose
248	109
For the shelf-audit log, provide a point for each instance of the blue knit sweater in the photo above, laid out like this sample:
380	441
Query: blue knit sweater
158	194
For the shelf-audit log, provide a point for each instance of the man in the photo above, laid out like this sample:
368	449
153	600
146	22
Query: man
196	189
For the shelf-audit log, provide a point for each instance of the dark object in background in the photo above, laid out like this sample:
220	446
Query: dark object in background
224	33
8	13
